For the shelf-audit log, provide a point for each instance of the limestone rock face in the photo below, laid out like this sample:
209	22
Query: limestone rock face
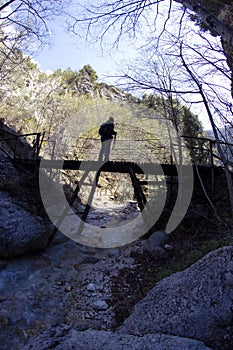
226	16
63	338
196	303
20	231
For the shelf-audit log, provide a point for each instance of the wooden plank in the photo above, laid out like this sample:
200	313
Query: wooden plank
112	167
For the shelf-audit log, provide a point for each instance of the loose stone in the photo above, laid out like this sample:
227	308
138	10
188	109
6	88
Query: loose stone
100	305
91	287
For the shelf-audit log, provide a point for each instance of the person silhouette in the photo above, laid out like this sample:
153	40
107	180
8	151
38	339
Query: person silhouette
107	133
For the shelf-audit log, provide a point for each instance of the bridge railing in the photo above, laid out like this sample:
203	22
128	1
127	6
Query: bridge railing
202	150
199	150
122	150
23	146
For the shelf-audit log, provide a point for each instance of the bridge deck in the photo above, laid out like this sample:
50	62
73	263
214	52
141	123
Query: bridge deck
116	166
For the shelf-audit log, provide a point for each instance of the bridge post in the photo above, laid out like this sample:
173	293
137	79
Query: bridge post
89	201
37	144
141	198
15	147
212	177
211	152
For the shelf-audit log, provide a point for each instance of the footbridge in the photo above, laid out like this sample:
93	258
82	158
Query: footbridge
153	156
143	156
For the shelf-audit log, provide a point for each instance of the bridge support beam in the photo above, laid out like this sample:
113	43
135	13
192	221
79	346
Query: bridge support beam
140	196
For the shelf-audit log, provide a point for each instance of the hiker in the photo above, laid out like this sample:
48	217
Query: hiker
107	132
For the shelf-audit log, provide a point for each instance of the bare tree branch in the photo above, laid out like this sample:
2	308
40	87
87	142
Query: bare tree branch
128	13
218	143
7	4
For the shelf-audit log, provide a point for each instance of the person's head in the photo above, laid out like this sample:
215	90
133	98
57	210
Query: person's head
111	120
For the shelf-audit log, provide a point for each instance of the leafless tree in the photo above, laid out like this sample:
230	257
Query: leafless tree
122	18
23	29
200	75
220	149
196	72
127	15
28	18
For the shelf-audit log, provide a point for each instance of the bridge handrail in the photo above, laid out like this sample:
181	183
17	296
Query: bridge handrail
84	148
203	149
19	139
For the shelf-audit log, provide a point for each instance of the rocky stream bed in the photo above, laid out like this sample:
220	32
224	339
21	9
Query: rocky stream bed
63	283
70	296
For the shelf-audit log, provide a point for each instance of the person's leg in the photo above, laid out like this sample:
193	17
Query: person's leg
101	154
107	148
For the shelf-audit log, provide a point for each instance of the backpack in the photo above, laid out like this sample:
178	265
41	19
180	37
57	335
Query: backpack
106	131
102	129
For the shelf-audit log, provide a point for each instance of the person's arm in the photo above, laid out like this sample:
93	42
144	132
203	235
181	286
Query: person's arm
114	132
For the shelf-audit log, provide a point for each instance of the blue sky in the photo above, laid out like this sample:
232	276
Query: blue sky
66	51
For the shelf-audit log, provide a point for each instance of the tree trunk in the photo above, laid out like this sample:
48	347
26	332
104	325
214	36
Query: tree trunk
219	27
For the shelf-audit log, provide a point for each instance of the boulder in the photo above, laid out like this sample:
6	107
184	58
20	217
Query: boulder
20	231
156	243
64	338
196	303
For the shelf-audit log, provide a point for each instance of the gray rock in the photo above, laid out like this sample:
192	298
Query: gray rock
63	338
91	287
156	243
86	259
20	231
168	247
100	305
114	253
196	303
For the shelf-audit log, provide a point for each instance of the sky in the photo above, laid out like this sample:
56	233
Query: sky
66	52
